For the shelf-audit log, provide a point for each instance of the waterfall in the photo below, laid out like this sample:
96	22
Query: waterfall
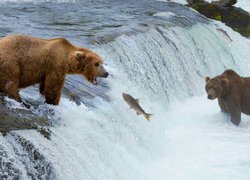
164	66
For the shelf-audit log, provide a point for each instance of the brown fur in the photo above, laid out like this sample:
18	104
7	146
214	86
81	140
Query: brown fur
26	60
233	93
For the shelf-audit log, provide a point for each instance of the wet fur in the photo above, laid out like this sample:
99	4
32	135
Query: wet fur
26	60
234	97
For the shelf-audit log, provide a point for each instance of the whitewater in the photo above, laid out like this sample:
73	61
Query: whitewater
161	57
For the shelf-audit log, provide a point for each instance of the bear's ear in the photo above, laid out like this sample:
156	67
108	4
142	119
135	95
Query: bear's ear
207	78
79	54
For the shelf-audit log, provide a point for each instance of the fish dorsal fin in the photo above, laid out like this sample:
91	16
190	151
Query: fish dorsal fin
137	100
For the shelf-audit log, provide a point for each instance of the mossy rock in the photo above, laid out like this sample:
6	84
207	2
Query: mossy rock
234	17
217	17
244	31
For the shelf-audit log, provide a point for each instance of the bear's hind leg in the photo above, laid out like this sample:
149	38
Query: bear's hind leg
235	118
53	99
42	84
41	88
235	113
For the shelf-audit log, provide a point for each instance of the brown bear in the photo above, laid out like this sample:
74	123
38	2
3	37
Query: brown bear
26	60
232	92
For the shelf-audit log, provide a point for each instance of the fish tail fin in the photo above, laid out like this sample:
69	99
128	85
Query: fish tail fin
148	116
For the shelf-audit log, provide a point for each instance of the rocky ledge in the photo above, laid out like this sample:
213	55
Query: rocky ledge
224	11
21	119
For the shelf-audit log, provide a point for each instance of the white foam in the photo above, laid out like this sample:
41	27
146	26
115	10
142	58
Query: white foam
165	14
186	140
175	1
244	4
202	144
189	139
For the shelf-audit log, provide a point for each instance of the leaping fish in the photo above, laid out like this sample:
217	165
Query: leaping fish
134	104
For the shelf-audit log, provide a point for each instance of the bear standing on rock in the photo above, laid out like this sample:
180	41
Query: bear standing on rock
26	60
233	93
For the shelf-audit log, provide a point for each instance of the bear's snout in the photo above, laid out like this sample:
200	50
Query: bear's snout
209	96
102	72
106	74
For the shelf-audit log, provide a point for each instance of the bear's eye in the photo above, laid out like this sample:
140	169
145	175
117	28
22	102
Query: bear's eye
97	64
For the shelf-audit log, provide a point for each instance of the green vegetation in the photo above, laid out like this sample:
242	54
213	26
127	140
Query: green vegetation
243	31
217	17
236	18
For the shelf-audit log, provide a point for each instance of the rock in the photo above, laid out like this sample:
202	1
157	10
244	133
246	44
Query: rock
11	120
236	18
225	2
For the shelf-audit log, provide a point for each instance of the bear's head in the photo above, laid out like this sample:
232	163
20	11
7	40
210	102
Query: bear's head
90	65
216	87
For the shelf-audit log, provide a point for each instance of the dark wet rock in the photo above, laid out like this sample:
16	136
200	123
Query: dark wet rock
21	119
21	159
7	166
225	2
26	155
46	132
236	18
219	3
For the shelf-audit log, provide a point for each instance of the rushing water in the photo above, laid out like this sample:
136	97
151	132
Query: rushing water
156	51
